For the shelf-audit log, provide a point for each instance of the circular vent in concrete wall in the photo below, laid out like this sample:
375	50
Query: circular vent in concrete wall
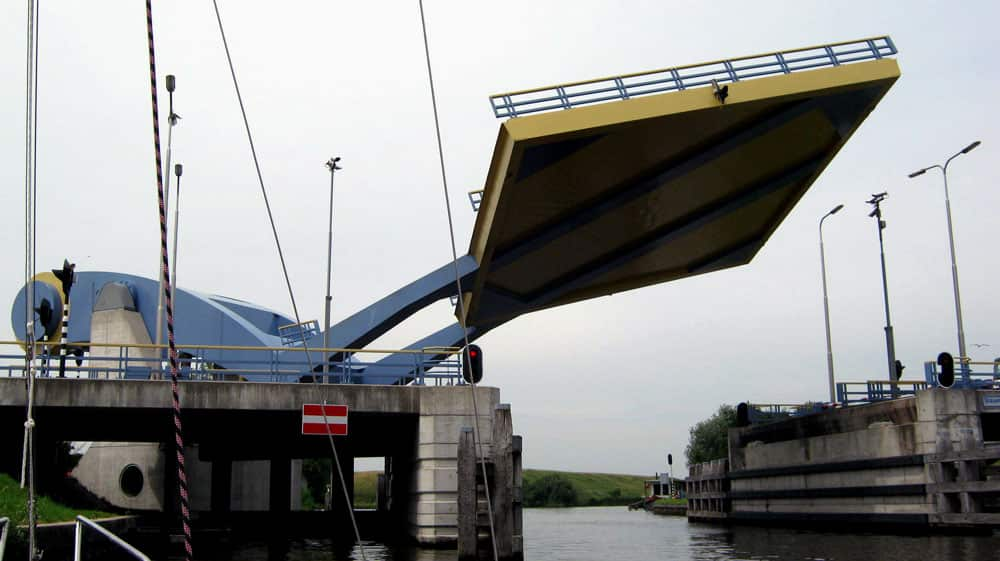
131	480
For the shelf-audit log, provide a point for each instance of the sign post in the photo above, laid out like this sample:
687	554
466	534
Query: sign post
335	422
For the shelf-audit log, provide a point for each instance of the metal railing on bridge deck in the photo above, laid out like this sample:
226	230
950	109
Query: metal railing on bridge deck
758	413
857	393
625	86
265	364
966	376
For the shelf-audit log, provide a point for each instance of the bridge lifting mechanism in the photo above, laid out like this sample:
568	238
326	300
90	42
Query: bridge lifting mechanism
698	166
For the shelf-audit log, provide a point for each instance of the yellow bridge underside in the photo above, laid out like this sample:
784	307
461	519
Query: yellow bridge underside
599	199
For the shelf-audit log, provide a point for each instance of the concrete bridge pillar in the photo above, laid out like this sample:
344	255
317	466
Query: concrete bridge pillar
433	515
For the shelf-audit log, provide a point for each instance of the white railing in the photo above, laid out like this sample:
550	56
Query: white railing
78	540
3	535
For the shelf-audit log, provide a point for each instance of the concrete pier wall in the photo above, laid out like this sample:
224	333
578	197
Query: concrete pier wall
236	431
913	461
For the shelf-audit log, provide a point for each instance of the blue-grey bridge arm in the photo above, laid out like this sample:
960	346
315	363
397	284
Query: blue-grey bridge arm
368	324
450	336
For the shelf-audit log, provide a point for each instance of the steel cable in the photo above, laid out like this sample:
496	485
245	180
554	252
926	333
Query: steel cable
458	285
284	270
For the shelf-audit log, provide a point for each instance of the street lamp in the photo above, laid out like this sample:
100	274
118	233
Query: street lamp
178	171
951	242
333	167
172	119
890	344
826	305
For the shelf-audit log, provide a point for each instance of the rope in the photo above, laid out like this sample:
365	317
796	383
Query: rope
284	270
30	214
182	483
458	284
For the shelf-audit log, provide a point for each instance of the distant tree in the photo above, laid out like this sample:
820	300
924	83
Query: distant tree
709	439
550	490
316	473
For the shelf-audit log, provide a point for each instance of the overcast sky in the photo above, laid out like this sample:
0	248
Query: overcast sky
612	384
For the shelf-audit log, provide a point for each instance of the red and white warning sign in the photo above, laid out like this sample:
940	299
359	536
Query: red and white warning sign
314	423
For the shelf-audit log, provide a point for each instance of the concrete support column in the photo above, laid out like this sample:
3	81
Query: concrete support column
280	488
517	541
433	508
338	503
468	497
222	482
503	480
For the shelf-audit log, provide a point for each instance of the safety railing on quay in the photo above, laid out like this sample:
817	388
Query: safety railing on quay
625	86
82	521
439	366
856	393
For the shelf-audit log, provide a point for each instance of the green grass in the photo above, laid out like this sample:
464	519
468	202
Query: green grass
14	504
364	488
674	502
594	489
591	488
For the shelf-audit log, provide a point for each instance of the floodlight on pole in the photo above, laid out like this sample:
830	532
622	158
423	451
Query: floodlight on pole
890	343
963	356
333	166
172	119
178	171
826	305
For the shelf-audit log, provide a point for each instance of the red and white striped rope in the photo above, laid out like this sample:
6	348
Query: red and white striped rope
182	483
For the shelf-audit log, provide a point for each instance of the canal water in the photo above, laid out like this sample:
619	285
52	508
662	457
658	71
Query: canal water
614	533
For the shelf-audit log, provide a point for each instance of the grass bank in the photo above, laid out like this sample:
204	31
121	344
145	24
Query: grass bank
14	504
544	488
547	488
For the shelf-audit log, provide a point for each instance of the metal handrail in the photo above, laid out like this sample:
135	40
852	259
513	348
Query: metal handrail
871	391
625	86
965	377
258	364
3	535
331	350
78	540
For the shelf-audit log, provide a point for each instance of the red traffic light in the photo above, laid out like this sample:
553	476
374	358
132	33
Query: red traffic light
472	366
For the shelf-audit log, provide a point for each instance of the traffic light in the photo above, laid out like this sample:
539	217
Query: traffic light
65	276
899	370
472	365
742	415
46	315
946	374
670	459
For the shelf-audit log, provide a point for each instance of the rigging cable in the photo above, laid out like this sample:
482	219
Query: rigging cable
182	484
458	284
284	270
30	214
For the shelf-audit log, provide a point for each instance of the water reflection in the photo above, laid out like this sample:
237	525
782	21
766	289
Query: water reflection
613	533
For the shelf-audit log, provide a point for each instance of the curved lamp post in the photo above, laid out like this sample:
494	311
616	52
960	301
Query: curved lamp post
826	305
951	242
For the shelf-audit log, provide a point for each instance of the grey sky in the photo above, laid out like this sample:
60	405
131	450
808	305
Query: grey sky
607	385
